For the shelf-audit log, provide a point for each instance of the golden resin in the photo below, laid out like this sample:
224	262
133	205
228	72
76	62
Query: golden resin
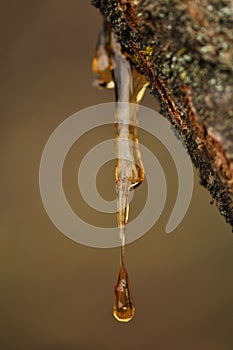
112	68
123	309
129	171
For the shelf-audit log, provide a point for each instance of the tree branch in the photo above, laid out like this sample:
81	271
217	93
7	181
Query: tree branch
185	49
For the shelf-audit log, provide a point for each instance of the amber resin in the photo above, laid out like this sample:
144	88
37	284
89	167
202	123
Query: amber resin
113	69
123	309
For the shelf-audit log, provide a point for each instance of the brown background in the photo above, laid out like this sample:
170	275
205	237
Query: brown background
57	294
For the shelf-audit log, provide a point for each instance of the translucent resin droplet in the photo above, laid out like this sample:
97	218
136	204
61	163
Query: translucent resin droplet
129	171
124	309
112	68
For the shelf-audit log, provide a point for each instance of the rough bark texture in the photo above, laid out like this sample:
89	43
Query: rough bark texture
185	48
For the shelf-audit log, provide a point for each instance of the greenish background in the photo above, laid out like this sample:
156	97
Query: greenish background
57	294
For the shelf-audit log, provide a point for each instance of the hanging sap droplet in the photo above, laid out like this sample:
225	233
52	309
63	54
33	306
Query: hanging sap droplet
129	171
113	69
123	309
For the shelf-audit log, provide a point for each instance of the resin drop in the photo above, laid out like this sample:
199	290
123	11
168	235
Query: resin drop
129	171
124	309
113	68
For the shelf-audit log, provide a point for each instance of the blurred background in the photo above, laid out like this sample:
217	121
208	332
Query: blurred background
55	293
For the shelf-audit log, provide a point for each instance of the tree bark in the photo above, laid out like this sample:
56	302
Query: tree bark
185	49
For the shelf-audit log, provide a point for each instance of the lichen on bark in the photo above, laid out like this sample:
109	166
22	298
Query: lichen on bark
185	49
